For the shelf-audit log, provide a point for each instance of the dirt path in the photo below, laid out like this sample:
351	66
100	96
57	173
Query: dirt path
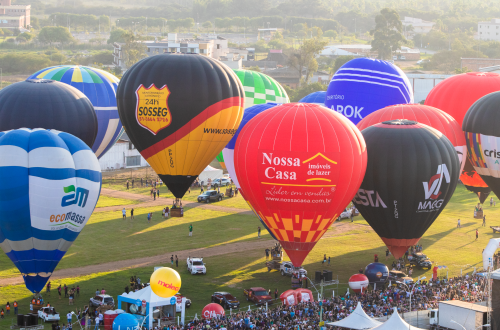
145	201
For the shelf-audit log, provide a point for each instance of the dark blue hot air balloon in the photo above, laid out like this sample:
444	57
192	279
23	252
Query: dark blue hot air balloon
364	85
315	98
49	186
377	273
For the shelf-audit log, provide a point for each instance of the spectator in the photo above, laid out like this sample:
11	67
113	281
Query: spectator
15	307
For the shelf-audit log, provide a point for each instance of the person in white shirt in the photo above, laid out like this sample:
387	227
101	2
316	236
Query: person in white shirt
69	317
101	319
124	213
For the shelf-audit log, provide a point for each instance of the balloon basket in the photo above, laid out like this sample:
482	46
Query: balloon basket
177	212
478	214
229	192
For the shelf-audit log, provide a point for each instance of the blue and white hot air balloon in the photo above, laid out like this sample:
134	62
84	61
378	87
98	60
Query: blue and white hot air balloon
228	151
50	182
315	98
364	85
100	87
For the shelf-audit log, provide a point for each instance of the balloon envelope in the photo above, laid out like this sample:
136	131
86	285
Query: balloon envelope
411	174
483	139
125	321
100	87
426	115
358	282
293	176
212	310
316	98
52	182
455	95
364	85
49	104
179	111
377	272
165	282
220	159
260	88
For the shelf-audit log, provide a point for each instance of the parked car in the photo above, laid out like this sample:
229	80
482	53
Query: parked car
399	276
287	268
210	196
225	299
258	295
420	260
48	314
221	182
196	266
345	215
101	300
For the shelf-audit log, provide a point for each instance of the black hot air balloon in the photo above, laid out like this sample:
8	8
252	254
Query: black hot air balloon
411	174
40	103
482	135
179	111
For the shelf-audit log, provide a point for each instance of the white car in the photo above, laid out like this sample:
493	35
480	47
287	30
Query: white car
286	268
346	214
48	314
196	266
101	300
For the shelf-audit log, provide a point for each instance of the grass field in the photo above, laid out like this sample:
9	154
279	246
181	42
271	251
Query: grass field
107	237
105	201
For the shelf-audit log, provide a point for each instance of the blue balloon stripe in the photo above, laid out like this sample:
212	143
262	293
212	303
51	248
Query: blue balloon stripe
36	255
18	138
73	143
45	139
64	173
52	235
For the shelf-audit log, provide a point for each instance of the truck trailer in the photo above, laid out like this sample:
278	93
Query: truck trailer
457	315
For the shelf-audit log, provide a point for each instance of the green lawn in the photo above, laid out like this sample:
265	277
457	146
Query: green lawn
107	238
105	201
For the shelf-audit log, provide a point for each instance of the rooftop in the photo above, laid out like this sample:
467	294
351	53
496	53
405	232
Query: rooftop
463	304
15	6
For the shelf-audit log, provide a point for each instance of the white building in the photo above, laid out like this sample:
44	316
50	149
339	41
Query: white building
419	26
422	84
489	30
122	155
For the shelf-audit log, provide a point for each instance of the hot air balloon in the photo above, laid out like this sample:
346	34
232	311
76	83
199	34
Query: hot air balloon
377	273
179	111
220	159
455	95
292	174
228	151
411	174
260	88
316	98
100	87
364	85
423	114
212	311
53	180
483	139
49	104
358	282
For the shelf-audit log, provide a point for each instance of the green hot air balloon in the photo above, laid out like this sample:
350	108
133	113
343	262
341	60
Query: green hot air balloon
260	88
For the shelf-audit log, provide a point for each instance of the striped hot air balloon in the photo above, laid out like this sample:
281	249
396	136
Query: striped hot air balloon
260	88
100	87
50	183
364	85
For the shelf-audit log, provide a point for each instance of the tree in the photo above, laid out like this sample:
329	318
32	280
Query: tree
24	37
304	57
332	34
117	35
387	36
50	34
254	68
133	50
339	61
296	94
207	25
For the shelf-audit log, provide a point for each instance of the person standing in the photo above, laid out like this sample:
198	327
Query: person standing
78	290
101	318
65	291
258	231
132	214
133	183
458	224
276	293
154	194
172	260
47	288
69	317
484	220
7	307
163	213
324	259
15	307
59	291
128	184
176	261
124	214
149	217
477	234
190	230
328	260
167	212
267	254
491	201
158	192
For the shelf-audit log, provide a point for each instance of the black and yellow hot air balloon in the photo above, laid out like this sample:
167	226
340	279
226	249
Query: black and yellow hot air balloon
179	111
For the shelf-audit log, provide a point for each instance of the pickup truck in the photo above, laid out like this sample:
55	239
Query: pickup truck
258	295
196	266
210	196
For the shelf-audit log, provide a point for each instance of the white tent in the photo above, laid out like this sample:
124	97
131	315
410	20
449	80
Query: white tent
489	251
357	320
210	173
395	322
152	300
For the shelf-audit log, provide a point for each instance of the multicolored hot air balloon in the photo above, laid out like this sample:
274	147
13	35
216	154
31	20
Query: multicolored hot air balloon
49	104
291	173
260	88
220	159
411	174
179	111
51	182
455	95
228	151
364	85
315	98
100	87
482	133
426	115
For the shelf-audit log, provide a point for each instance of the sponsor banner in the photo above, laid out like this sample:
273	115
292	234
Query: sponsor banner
62	204
484	153
152	111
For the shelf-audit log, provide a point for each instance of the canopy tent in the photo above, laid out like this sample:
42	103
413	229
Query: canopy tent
152	301
488	253
210	173
395	322
357	320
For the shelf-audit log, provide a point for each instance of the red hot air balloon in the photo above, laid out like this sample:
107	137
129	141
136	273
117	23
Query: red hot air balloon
423	114
300	165
455	95
212	310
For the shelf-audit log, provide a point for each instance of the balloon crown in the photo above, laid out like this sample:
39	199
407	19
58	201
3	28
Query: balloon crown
40	81
399	122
